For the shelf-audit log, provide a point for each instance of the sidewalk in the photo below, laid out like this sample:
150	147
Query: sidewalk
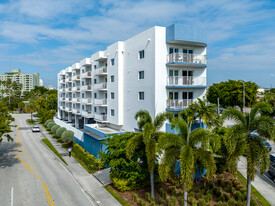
262	183
88	182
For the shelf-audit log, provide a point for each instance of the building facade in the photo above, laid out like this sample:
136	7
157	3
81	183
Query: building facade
160	69
29	81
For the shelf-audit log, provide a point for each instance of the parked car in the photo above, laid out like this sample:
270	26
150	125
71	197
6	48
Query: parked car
271	169
266	144
35	129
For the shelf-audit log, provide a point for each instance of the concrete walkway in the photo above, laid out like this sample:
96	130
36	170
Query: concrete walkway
88	182
261	182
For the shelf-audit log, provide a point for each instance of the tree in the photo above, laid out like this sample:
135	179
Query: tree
240	137
67	136
183	147
149	136
8	85
132	172
205	112
5	122
60	131
30	107
230	93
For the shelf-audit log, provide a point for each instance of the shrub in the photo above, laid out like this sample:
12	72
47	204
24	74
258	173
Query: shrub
228	188
219	182
231	202
190	199
54	128
152	203
194	204
191	194
181	193
226	197
253	202
169	190
67	136
49	120
181	200
209	192
216	191
219	203
159	200
60	131
207	204
147	196
174	192
238	196
50	125
164	195
120	184
208	197
221	198
199	195
201	202
174	200
135	197
211	185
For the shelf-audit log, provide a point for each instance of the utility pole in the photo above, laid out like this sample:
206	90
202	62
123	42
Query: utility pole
243	96
218	106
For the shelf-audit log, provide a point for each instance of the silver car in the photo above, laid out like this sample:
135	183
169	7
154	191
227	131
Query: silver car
35	129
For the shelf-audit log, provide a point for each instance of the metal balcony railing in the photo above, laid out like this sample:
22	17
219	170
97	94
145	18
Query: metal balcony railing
76	111
101	71
186	58
101	102
186	81
86	75
101	86
179	103
86	100
100	117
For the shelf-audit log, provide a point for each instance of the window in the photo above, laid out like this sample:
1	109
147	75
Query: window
112	95
141	75
176	50
82	107
171	51
141	96
93	143
141	54
94	66
112	112
113	62
82	95
94	81
95	95
112	78
95	109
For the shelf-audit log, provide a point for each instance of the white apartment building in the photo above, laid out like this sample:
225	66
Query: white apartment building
29	81
160	69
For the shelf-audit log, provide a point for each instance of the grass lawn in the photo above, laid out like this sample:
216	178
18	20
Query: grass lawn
31	122
117	196
49	144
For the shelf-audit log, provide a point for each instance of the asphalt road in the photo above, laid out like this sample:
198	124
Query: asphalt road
31	175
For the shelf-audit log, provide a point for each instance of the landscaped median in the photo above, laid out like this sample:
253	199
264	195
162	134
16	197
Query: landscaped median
51	147
30	122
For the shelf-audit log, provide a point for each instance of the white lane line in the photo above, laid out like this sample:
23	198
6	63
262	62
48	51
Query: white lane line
12	196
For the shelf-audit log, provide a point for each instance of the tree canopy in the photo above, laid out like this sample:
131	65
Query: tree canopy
230	93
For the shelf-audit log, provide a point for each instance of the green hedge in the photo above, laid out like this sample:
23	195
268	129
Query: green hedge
50	125
67	136
60	131
54	128
90	160
48	121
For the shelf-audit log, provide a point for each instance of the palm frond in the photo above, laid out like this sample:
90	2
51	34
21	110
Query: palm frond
160	119
234	114
143	117
264	125
133	144
258	108
181	127
168	140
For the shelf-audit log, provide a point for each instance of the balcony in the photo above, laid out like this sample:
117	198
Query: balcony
76	89
87	100
101	102
179	104
186	82
70	99
69	89
76	100
86	88
100	117
86	75
62	107
68	109
189	59
101	86
76	111
69	79
62	99
76	78
62	90
62	81
101	71
86	113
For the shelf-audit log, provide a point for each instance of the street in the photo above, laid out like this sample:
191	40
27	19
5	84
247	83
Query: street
31	175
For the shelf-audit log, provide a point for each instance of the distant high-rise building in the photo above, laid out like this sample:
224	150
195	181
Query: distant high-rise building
29	81
40	82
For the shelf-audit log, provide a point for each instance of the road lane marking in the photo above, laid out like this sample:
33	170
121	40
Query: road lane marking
12	196
49	194
46	193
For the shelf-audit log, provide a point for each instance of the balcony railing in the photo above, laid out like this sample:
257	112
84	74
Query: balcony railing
186	81
101	86
86	75
100	117
76	111
101	102
101	71
77	100
68	109
62	90
62	107
179	103
87	100
186	58
76	89
86	113
86	88
76	77
69	89
68	79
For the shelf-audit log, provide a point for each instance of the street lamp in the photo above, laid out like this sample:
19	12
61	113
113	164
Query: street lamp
243	95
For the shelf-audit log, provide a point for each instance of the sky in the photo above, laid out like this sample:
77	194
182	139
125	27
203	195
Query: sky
47	36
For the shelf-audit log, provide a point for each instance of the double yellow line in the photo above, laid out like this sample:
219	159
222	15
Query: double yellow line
44	186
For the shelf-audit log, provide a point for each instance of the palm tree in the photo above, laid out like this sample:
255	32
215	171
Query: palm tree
8	85
206	112
20	86
184	147
30	107
241	133
149	136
